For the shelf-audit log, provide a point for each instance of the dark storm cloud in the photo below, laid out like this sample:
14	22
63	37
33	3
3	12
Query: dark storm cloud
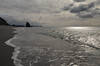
90	13
84	10
82	7
79	0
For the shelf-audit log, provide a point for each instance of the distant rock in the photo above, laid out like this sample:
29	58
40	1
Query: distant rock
3	22
28	24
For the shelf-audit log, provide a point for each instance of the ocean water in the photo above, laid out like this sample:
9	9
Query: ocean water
64	46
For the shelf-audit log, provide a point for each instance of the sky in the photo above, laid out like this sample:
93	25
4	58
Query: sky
52	12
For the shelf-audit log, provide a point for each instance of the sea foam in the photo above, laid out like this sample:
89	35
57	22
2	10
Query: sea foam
16	50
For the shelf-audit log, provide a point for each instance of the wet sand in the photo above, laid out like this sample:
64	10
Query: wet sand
6	32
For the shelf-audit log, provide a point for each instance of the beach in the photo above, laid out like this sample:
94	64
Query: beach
37	46
57	47
6	32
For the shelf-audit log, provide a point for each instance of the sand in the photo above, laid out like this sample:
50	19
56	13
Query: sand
6	32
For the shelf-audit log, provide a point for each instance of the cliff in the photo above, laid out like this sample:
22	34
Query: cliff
3	22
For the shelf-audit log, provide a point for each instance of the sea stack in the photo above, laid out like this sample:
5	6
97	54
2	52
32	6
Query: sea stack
3	22
28	24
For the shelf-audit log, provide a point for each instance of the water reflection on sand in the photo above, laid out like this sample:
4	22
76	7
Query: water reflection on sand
82	28
88	35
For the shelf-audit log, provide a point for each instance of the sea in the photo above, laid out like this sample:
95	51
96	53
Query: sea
63	46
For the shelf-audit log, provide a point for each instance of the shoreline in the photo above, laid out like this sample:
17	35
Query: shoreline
15	52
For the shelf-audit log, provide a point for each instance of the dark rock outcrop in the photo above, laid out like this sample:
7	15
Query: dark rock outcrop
28	24
3	22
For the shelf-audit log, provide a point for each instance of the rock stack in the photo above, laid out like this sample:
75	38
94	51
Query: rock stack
28	24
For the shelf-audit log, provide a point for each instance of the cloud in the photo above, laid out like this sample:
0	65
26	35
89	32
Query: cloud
90	13
85	14
79	0
33	6
84	10
49	11
82	7
68	7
